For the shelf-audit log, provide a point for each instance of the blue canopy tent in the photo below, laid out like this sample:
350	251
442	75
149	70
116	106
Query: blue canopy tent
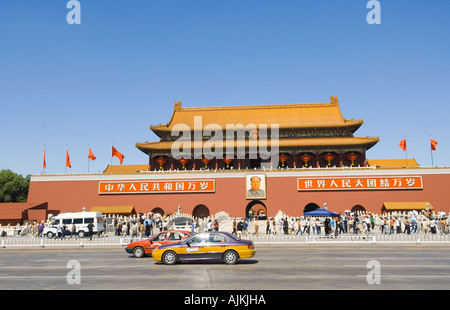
321	212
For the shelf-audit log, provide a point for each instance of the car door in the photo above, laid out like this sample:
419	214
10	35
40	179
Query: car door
159	239
195	248
217	245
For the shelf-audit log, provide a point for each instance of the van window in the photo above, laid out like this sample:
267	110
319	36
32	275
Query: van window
89	220
78	221
67	221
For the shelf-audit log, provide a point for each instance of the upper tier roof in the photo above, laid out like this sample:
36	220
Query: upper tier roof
286	116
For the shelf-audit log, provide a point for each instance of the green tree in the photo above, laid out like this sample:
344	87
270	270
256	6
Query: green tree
13	187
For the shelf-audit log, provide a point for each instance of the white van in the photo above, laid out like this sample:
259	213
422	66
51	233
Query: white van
81	221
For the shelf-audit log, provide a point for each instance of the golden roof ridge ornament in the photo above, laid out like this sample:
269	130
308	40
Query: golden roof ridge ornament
334	100
177	106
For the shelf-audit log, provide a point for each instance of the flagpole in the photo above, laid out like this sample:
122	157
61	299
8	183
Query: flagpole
431	150
44	163
88	158
65	166
406	155
112	145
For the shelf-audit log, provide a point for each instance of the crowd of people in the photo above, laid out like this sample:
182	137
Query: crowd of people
412	222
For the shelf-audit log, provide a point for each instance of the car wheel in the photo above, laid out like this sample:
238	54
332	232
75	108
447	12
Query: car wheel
230	257
81	234
50	235
138	252
169	258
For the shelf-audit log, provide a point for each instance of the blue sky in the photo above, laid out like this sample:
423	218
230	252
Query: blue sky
105	81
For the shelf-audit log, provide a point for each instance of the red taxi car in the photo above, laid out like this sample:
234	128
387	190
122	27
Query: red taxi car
146	247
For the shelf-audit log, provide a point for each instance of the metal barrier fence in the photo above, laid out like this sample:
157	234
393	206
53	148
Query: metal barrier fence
350	238
116	241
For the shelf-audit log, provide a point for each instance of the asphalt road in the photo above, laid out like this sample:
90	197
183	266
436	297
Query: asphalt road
274	267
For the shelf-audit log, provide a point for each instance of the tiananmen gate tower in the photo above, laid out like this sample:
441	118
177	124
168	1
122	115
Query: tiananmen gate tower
293	158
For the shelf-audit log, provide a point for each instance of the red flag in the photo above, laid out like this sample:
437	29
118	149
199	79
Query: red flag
117	154
91	155
402	144
45	165
433	144
68	160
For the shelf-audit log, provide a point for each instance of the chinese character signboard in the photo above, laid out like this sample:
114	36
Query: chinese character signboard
359	183
155	187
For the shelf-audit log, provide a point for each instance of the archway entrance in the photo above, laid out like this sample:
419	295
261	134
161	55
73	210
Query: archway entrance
158	210
310	207
358	208
200	211
259	210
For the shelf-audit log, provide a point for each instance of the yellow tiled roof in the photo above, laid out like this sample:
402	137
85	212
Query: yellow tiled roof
114	209
393	163
298	142
125	168
415	205
286	116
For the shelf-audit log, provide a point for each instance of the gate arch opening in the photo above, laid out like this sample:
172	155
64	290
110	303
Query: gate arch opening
200	211
310	207
158	210
358	208
259	208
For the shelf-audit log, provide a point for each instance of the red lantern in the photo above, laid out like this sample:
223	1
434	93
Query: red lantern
161	161
305	158
228	161
283	158
205	161
352	157
183	161
329	157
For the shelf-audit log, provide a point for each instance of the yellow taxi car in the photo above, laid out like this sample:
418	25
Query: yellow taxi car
206	246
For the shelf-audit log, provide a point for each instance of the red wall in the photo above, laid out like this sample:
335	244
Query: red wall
65	193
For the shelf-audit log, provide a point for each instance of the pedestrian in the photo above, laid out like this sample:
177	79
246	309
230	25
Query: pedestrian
216	225
147	229
299	226
256	226
141	229
73	231
91	230
326	225
124	229
318	228
239	228
407	227
398	227
41	229
285	226
209	226
245	228
59	230
432	226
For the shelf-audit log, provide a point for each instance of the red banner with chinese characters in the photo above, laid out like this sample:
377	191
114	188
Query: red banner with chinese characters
156	187
359	183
